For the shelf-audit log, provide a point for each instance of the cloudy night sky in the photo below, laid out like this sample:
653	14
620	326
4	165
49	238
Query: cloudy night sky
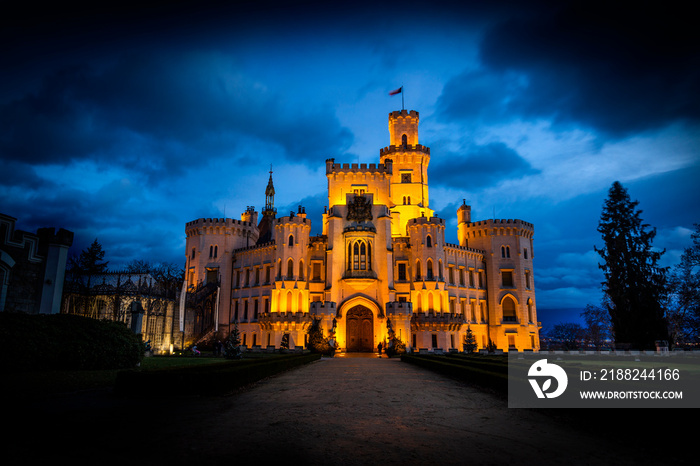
124	123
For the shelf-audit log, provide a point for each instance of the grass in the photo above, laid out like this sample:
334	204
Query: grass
52	383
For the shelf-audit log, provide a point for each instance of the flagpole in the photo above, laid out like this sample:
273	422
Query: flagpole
403	107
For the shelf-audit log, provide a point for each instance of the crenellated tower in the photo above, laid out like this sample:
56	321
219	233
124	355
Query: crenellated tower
409	183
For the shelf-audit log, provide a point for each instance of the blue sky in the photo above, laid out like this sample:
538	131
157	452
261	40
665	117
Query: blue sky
122	123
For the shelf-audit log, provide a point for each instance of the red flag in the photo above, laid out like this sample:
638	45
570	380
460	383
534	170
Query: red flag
396	91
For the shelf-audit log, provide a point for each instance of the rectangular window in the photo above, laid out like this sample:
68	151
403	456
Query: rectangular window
471	278
255	309
461	277
434	338
267	274
525	253
245	310
527	279
451	274
507	276
511	341
255	339
317	271
402	272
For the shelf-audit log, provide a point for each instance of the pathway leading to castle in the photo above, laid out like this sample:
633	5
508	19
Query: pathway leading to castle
340	411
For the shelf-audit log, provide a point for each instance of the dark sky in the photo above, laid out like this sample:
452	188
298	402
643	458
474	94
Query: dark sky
122	123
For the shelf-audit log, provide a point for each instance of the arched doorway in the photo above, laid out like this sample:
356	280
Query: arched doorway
360	330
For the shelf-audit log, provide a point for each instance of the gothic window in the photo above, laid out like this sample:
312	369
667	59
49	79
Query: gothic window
418	271
360	255
291	240
289	301
509	310
409	200
301	270
503	252
211	252
404	200
530	317
440	270
429	241
429	269
404	140
290	269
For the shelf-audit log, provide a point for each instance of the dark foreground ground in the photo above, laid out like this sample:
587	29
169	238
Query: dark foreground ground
340	411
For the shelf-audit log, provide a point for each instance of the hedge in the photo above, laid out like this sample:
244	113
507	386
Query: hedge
66	342
210	379
487	373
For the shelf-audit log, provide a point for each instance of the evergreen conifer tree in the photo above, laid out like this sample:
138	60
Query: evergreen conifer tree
469	344
232	347
634	283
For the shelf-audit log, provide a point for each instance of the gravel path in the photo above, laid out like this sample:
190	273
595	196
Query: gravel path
340	411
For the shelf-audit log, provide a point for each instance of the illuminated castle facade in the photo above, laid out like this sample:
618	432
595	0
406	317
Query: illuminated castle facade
381	261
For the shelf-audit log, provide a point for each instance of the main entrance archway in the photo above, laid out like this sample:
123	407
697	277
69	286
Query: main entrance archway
360	330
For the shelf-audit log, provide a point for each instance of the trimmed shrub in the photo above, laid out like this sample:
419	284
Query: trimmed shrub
66	342
210	379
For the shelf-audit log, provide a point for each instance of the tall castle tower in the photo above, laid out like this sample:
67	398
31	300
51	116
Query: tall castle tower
409	183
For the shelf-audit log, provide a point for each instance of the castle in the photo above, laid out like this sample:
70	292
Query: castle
381	264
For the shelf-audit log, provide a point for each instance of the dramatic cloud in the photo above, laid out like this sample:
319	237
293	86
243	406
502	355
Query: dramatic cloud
608	67
124	126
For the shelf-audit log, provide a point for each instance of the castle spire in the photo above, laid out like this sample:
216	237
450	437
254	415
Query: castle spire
270	194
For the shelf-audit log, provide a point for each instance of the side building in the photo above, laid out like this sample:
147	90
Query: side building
32	268
380	262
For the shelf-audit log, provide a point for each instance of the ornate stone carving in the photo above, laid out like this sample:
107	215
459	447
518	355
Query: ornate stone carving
360	209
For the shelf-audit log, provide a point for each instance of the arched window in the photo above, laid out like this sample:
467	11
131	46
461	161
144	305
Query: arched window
404	200
300	304
509	314
431	304
360	255
409	200
289	301
419	303
429	269
301	270
530	317
429	241
508	251
404	140
211	252
503	252
290	269
291	240
418	271
216	251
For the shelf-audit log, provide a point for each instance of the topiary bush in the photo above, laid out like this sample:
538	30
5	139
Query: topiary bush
66	342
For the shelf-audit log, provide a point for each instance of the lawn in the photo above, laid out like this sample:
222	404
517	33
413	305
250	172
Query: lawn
51	383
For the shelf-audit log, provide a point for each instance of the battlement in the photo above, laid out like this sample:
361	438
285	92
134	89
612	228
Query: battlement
463	248
322	307
403	113
398	307
502	223
407	148
434	220
255	247
379	168
218	222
